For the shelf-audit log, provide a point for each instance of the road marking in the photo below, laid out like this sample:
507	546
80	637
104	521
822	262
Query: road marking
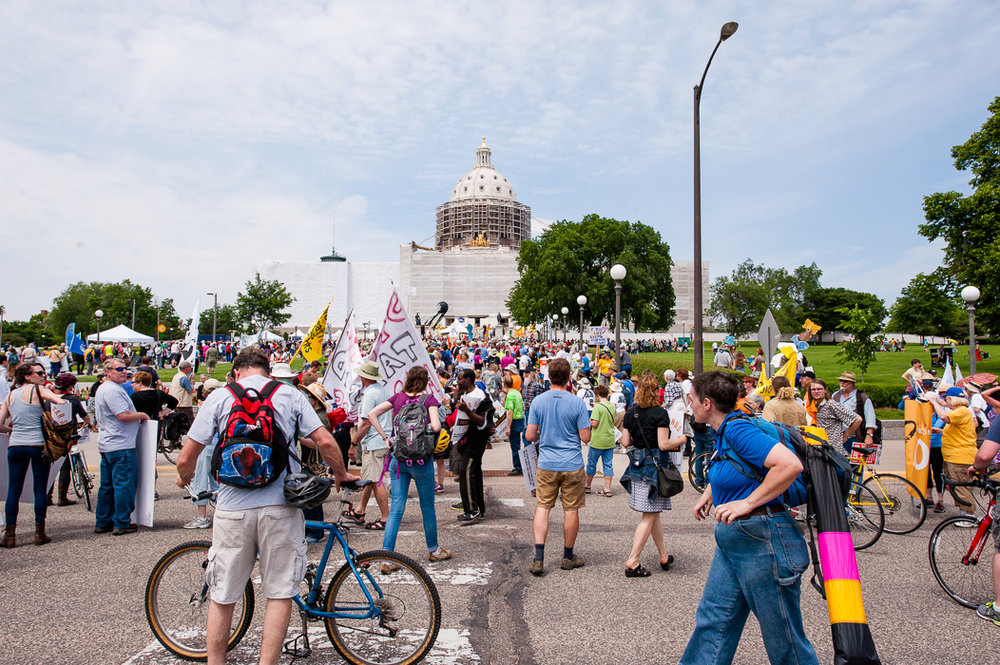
513	503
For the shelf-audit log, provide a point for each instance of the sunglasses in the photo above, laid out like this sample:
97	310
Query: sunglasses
118	369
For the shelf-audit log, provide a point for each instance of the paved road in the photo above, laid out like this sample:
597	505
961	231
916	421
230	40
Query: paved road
79	599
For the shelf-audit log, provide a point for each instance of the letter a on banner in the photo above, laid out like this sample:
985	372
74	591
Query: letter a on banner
340	380
399	347
917	433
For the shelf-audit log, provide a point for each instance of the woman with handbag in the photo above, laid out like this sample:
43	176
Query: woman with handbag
647	433
23	409
760	553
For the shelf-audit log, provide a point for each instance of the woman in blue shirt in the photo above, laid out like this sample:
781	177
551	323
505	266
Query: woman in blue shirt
760	553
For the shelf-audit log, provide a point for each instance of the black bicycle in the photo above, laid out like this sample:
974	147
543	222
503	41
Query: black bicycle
173	428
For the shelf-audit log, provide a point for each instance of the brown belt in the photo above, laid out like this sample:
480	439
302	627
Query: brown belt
765	510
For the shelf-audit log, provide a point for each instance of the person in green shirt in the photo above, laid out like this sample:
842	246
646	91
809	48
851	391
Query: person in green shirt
514	406
602	440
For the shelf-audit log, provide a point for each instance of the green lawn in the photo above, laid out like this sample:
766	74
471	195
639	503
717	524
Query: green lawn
882	380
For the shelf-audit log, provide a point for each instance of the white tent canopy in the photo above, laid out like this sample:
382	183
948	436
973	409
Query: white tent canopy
121	333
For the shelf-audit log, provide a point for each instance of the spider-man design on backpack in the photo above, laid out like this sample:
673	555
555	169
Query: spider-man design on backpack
252	450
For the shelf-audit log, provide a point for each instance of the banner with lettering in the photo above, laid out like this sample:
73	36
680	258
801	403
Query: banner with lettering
399	347
917	438
340	381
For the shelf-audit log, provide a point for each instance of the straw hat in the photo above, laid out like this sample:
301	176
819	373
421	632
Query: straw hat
848	376
316	390
369	370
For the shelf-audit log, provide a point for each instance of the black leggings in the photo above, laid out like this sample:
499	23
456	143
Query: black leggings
937	467
469	469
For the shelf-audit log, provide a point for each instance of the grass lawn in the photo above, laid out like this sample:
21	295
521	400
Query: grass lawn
884	372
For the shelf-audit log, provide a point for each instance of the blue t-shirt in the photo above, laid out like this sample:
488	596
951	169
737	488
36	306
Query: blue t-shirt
559	416
936	436
752	446
993	434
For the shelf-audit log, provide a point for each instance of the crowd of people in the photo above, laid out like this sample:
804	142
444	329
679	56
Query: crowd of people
552	395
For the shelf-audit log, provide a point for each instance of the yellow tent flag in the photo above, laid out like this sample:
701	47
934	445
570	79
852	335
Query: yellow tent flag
312	346
811	327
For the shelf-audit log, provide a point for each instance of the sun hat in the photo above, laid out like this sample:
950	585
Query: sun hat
212	384
282	371
848	376
316	390
368	370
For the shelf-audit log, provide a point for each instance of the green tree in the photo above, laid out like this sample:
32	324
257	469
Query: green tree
740	300
78	302
20	333
823	306
226	320
573	258
967	223
262	303
863	326
926	308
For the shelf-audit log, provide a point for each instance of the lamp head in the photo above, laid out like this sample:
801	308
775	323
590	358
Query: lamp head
99	313
565	311
970	294
728	30
618	272
581	300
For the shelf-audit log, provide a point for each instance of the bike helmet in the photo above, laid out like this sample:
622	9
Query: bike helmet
65	380
306	491
444	440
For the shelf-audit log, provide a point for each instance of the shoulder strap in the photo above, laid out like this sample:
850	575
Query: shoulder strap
237	390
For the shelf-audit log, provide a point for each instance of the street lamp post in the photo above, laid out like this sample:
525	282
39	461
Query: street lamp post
970	294
618	273
215	311
565	312
98	314
133	314
699	346
581	301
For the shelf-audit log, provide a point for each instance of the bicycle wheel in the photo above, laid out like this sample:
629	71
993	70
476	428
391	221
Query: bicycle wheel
968	581
864	516
169	450
87	480
904	513
695	464
177	602
409	610
76	475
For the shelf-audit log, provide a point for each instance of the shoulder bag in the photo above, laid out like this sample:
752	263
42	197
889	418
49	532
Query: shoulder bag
668	479
58	438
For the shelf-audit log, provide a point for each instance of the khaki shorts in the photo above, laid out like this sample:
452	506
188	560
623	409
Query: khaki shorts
278	532
372	463
550	484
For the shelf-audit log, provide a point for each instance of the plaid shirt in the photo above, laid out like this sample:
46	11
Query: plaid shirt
671	392
530	392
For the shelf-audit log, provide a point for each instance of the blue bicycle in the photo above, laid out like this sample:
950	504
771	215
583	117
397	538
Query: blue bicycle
379	608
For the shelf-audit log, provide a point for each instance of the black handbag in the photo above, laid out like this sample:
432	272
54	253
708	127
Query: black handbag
668	479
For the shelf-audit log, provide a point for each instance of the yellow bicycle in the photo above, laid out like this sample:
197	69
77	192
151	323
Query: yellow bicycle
901	501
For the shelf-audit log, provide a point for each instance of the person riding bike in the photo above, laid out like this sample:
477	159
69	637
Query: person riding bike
984	458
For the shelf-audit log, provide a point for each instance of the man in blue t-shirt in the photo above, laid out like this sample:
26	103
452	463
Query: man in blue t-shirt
559	421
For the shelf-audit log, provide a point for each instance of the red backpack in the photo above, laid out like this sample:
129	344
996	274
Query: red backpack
252	450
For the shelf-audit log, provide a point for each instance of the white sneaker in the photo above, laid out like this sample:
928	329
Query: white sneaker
199	523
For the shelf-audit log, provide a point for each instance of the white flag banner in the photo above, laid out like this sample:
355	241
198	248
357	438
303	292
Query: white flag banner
340	381
145	487
948	377
399	347
190	351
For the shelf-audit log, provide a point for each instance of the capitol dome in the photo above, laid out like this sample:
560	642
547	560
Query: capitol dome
482	211
483	181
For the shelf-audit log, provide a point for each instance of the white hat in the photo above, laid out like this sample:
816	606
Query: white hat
369	370
282	371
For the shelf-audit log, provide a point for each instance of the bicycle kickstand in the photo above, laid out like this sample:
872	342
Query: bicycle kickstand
298	646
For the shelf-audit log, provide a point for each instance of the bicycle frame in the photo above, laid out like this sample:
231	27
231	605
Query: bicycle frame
979	540
309	606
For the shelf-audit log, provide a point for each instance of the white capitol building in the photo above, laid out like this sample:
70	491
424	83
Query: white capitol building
472	266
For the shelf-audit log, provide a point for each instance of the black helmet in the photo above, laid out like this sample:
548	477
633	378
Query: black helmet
306	491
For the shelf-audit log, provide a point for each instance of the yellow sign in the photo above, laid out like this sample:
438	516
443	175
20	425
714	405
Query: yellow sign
312	345
161	328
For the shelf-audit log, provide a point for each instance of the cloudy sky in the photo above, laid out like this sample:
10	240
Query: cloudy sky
179	144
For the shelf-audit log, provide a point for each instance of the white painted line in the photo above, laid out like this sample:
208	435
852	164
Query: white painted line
513	503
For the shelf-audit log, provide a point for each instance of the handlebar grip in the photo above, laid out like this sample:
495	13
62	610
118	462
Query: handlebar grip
951	484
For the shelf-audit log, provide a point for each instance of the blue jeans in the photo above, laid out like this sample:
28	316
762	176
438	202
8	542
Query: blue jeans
704	442
18	460
423	476
516	429
758	566
116	495
605	455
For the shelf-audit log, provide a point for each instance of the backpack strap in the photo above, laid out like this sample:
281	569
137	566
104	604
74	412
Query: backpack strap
732	456
269	389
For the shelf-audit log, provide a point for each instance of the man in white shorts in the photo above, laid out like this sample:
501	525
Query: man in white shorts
252	520
373	447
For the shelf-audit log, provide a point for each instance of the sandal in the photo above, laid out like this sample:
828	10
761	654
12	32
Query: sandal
586	490
638	571
670	562
351	515
377	525
604	493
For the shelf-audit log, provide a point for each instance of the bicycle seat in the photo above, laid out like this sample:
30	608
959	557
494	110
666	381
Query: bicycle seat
865	450
354	485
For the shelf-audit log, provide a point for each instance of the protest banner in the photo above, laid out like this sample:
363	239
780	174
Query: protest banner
145	486
529	464
399	347
340	381
917	440
312	346
190	350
